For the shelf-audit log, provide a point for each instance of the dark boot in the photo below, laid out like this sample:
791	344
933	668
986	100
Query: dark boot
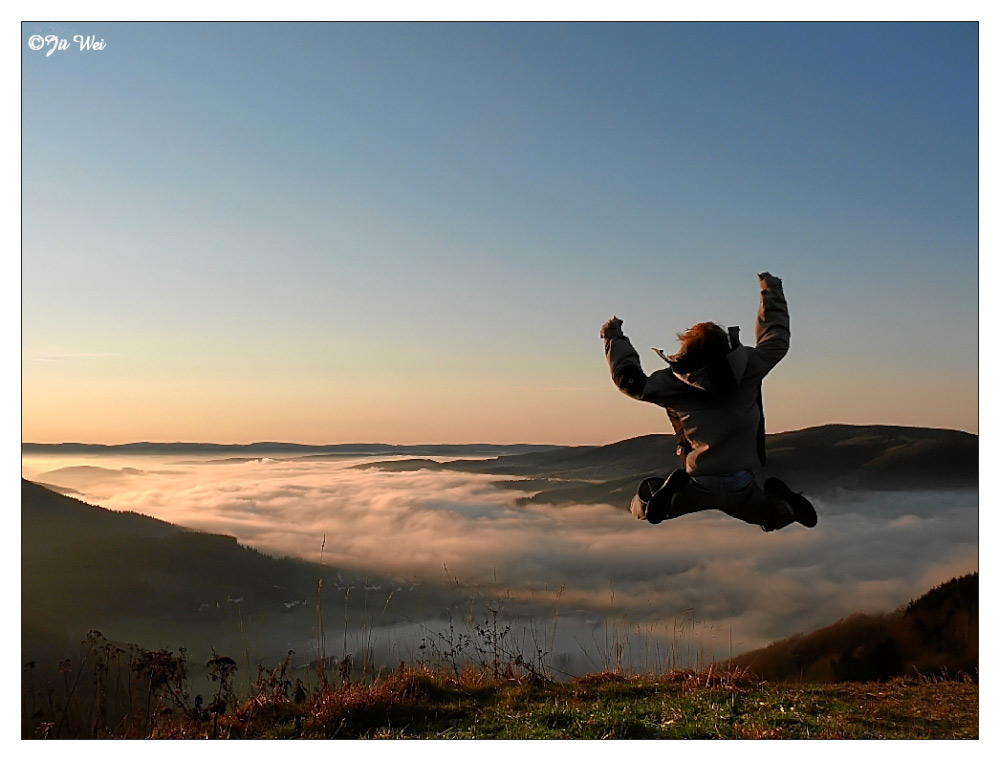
645	492
802	508
658	508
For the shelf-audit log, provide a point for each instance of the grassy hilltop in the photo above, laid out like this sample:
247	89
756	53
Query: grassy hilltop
500	701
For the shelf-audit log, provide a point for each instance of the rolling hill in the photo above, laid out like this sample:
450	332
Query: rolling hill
815	460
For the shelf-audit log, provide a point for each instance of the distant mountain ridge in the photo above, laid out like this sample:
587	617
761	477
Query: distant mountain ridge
876	457
815	460
277	447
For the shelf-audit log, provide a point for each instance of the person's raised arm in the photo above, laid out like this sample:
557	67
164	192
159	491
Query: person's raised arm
773	329
623	359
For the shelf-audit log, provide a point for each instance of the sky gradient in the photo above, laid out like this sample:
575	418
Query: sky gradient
413	233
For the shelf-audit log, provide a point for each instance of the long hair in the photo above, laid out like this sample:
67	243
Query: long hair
701	344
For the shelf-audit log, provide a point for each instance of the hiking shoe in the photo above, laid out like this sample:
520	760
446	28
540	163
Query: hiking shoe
802	508
646	490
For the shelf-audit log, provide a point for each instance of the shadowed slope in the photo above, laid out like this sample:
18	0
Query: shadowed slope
938	633
49	519
85	567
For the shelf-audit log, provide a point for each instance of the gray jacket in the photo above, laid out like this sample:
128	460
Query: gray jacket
719	412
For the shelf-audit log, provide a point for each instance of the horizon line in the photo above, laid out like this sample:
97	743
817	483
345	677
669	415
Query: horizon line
271	442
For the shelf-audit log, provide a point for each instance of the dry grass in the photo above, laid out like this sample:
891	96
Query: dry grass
432	703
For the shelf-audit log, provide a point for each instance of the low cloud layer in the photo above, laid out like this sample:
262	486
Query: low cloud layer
870	552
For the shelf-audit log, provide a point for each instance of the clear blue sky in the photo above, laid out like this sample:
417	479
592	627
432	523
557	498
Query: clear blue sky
414	232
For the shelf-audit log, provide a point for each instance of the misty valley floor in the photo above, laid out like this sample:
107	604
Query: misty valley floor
417	547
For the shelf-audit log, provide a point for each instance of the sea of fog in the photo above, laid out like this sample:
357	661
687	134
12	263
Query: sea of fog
588	583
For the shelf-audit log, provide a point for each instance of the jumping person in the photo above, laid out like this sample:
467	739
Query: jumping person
712	394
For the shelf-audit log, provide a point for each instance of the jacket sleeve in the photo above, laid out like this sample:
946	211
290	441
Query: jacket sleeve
627	373
773	328
623	359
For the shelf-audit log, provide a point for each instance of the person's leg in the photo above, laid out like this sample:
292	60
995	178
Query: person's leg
751	504
694	497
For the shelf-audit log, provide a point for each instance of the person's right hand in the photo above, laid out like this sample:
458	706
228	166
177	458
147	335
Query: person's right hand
614	325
